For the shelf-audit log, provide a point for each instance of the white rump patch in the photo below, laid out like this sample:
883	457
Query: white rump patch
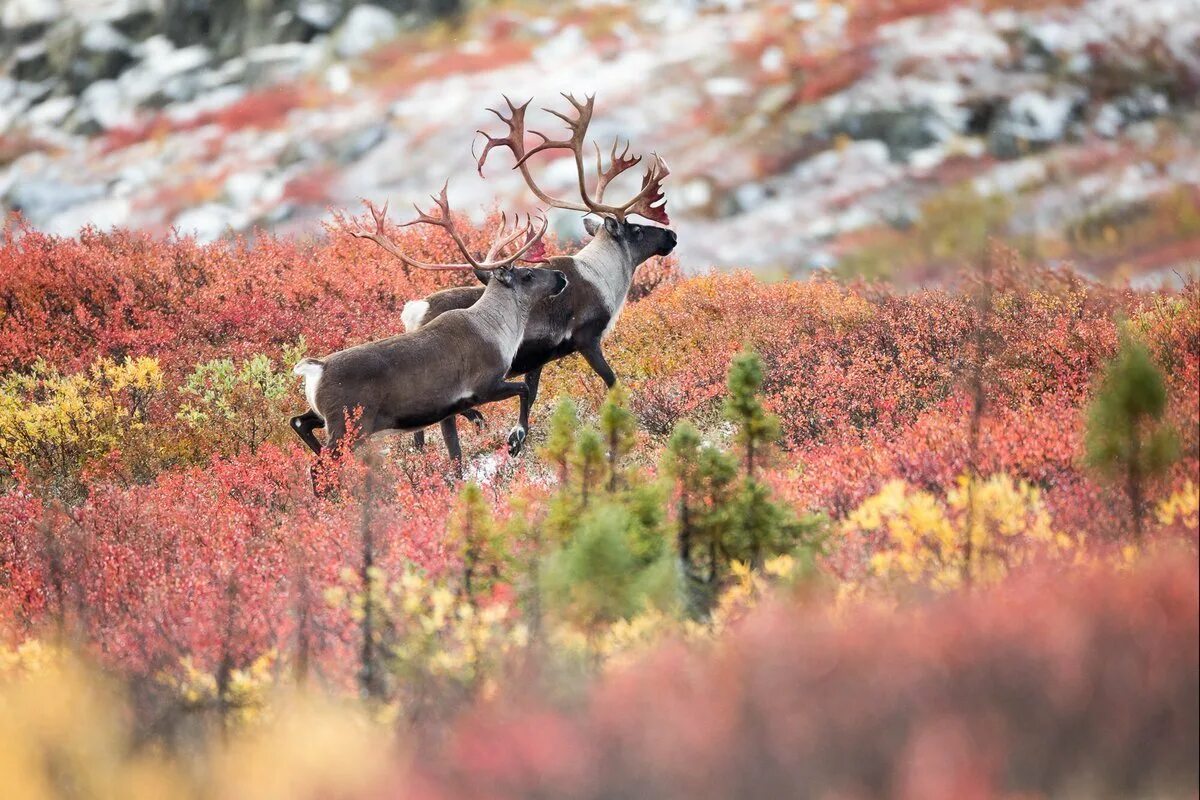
414	314
311	370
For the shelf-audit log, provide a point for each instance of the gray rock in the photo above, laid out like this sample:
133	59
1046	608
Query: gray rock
31	92
39	200
62	42
1032	120
354	145
300	151
103	53
243	189
320	14
102	106
31	62
137	19
365	28
103	214
102	37
209	222
25	13
231	71
49	113
274	62
904	131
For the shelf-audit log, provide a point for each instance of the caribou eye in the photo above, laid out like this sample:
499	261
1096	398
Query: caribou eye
527	278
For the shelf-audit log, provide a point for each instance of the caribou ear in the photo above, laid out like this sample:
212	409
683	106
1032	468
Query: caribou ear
591	226
483	275
504	276
612	226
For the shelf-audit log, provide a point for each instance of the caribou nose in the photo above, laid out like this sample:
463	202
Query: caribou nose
672	240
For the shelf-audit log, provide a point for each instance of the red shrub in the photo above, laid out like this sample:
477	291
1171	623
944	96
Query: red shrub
1031	689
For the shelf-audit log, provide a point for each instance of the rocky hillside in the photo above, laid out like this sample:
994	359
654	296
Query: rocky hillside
877	138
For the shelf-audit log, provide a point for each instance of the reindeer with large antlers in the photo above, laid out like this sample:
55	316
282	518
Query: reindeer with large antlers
416	379
600	274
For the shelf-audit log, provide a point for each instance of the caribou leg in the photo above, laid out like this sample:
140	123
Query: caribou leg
471	415
303	426
450	433
516	437
594	355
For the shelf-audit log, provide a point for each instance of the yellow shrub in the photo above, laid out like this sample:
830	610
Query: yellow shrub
434	638
996	523
1181	509
52	424
64	732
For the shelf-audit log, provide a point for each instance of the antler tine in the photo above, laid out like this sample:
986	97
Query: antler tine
533	238
502	241
649	202
616	165
379	236
515	142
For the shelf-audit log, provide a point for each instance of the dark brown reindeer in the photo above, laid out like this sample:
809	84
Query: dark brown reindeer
416	379
600	274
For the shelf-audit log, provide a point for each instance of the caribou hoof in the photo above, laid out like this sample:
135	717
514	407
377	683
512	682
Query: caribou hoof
475	418
516	438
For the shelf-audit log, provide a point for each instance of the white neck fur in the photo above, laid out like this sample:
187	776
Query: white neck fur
605	265
500	316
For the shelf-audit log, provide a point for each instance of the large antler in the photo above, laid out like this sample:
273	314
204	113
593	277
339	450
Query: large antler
648	202
494	259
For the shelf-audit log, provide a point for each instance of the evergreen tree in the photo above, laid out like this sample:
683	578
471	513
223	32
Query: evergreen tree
602	576
762	528
681	462
560	440
618	426
757	430
705	478
1126	436
588	462
477	543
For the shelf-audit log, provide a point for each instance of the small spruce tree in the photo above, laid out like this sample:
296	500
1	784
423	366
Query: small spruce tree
618	426
560	440
757	430
1126	437
681	463
477	543
605	573
589	465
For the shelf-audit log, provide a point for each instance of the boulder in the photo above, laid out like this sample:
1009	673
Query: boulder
243	189
365	28
321	15
275	62
354	145
903	131
39	200
18	14
103	214
103	52
1031	120
209	222
102	106
50	113
30	62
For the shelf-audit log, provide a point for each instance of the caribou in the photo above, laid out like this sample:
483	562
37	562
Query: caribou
424	377
599	274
